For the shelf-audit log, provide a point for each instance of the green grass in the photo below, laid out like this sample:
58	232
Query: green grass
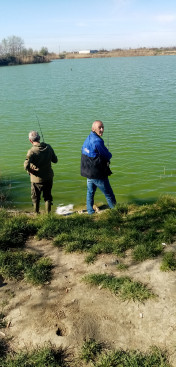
14	231
121	358
19	265
141	229
121	267
124	287
51	226
169	261
148	250
90	350
40	272
94	352
44	357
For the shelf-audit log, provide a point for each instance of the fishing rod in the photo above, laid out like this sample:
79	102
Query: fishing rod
39	125
108	140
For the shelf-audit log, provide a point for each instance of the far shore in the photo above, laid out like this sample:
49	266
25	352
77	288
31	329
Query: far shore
11	60
120	53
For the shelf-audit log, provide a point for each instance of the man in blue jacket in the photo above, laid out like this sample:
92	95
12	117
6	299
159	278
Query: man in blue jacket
95	160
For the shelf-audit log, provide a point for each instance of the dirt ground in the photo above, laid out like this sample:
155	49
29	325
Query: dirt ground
67	311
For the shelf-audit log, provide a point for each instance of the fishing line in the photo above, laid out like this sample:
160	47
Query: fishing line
39	125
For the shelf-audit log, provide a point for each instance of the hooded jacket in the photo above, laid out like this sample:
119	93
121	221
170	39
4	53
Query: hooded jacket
38	162
95	158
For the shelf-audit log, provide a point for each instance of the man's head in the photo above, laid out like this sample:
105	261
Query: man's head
98	127
34	137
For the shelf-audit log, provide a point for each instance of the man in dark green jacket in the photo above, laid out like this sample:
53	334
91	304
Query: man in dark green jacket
38	165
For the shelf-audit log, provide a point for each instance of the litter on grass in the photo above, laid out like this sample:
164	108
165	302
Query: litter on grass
64	209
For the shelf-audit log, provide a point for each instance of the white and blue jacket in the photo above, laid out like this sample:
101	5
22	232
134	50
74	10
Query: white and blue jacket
95	158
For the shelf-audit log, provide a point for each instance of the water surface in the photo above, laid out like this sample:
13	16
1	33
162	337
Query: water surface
133	96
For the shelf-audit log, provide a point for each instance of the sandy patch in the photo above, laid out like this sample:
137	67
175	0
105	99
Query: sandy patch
67	311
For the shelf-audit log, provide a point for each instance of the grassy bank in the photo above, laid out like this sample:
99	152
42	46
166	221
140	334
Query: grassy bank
144	232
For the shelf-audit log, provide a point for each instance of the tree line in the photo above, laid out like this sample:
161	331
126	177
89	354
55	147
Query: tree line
13	52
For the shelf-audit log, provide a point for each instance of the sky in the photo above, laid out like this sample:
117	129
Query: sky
73	25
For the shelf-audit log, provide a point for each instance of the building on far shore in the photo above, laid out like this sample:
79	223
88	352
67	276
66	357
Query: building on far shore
88	52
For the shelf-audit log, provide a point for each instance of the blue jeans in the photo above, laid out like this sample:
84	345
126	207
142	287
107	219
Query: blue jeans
106	189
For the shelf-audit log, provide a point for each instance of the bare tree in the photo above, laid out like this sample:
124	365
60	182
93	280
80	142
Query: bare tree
12	45
4	47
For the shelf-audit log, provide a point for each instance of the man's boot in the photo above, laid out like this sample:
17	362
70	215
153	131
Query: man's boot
47	206
36	207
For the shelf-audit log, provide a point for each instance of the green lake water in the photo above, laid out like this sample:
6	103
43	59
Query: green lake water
135	98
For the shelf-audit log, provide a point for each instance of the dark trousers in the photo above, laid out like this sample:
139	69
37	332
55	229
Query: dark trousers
38	188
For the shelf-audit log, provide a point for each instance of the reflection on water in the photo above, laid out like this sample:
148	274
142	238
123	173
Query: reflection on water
134	97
